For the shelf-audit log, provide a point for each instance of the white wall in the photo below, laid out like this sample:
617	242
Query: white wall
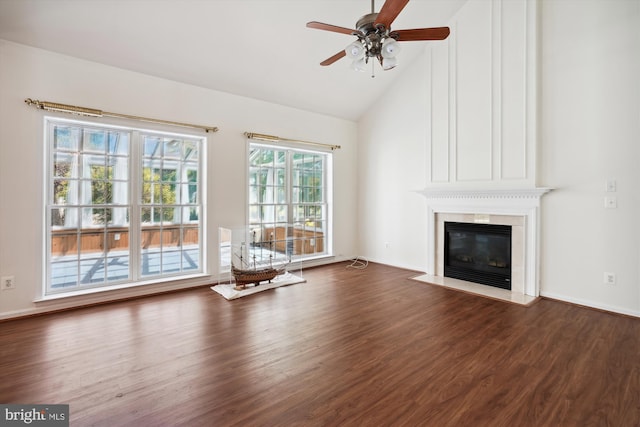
32	73
590	133
496	106
391	169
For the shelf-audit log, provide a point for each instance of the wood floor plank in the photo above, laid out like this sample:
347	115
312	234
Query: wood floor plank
348	347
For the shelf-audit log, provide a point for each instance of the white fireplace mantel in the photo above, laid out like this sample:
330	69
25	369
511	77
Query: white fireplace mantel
515	202
509	193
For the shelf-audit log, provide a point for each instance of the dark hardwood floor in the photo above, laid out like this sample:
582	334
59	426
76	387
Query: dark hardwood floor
349	347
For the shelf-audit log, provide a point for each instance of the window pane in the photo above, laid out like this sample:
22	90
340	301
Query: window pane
118	267
64	164
172	148
94	141
92	271
171	261
190	151
64	244
118	242
118	143
191	259
101	192
64	274
93	167
254	214
170	215
191	214
281	213
190	236
150	265
192	175
267	213
120	192
61	189
91	242
169	194
119	217
119	168
150	237
152	147
66	138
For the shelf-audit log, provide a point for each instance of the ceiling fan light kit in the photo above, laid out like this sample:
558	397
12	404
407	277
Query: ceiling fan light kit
376	39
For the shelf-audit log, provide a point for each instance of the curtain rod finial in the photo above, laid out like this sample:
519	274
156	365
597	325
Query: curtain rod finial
30	101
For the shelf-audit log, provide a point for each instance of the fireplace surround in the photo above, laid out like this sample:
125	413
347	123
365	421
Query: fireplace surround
518	208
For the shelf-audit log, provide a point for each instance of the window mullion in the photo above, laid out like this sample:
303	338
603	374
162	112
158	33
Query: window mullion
135	195
289	186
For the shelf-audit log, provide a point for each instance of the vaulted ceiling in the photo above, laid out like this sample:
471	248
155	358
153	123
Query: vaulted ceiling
254	48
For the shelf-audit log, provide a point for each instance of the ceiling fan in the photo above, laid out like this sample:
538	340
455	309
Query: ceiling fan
375	37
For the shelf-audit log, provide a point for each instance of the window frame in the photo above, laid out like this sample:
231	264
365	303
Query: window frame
132	256
326	235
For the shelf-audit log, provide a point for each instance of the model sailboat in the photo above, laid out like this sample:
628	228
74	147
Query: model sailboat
254	274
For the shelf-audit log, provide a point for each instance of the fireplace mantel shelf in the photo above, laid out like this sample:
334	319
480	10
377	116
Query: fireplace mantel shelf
510	193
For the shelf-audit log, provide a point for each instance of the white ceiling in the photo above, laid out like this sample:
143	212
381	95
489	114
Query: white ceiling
255	48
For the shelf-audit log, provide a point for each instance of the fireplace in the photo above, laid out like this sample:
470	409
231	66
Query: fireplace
516	208
479	253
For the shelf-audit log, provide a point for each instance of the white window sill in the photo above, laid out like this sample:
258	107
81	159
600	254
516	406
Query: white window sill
182	281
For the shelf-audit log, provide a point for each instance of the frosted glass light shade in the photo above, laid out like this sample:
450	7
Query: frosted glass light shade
390	48
389	63
359	65
355	50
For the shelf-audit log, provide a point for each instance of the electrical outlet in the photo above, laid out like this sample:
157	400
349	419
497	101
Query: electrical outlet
7	282
609	278
610	202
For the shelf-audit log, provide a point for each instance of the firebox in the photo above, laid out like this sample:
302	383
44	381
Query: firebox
479	253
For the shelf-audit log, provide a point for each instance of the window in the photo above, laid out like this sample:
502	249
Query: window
289	201
123	205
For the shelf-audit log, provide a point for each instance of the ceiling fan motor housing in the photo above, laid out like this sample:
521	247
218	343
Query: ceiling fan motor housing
371	35
365	23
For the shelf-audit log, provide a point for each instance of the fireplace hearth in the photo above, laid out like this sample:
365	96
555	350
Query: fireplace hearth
479	253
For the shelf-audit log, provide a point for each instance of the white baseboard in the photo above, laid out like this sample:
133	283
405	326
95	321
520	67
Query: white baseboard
592	304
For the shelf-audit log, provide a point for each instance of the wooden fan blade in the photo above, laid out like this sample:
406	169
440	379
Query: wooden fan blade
390	10
436	33
328	27
334	58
